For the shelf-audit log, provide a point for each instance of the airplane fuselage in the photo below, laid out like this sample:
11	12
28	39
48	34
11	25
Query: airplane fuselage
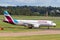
36	23
28	23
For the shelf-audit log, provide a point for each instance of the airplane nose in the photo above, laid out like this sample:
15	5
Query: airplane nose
54	24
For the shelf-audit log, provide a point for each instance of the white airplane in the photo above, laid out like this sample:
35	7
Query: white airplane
28	23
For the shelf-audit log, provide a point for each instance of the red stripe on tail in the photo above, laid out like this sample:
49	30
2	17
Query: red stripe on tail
9	20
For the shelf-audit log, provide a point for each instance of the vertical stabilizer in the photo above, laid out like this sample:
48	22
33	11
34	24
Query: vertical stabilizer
8	17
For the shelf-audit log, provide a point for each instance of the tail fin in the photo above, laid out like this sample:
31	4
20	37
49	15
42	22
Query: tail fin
8	18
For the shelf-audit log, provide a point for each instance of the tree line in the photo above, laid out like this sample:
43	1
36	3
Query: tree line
31	10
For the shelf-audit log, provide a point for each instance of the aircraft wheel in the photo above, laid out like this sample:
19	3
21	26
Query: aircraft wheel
30	26
48	27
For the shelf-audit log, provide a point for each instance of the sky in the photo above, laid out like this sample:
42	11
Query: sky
54	3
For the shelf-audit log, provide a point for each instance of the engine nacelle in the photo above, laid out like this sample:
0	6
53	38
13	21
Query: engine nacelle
36	26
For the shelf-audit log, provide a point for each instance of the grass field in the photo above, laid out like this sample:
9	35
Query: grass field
15	28
37	37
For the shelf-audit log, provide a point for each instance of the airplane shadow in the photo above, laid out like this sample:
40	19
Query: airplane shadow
33	28
50	28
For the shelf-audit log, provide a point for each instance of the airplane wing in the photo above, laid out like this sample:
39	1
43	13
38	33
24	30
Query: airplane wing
32	24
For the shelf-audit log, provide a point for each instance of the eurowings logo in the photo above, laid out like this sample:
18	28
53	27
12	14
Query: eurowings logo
6	13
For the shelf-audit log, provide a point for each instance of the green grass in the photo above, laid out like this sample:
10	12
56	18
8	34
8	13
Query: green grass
14	28
37	37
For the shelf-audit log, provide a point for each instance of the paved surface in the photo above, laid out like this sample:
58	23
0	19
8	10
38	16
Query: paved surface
44	32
